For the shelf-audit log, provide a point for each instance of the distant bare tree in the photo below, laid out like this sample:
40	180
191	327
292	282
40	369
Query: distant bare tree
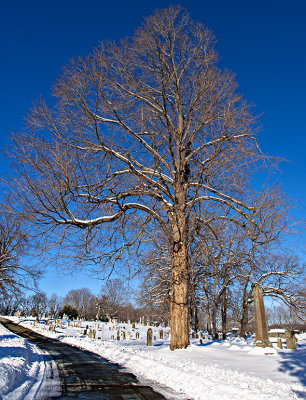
114	296
9	304
145	132
54	304
280	275
38	304
282	316
16	274
83	301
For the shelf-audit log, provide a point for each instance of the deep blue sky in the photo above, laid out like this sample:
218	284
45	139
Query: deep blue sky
263	42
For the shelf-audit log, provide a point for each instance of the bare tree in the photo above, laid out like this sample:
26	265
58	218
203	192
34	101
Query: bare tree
114	296
155	277
54	304
83	301
280	274
148	131
38	304
282	316
16	274
9	304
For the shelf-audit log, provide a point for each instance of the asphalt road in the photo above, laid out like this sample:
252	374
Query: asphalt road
85	375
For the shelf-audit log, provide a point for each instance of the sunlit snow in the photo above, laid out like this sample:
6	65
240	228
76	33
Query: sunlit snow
231	369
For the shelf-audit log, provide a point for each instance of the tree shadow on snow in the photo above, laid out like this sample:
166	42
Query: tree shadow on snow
208	342
7	337
294	364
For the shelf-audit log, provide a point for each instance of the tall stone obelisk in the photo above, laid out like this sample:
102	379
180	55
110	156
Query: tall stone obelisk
261	329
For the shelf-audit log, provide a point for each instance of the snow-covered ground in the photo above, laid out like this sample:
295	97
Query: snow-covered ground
231	369
25	371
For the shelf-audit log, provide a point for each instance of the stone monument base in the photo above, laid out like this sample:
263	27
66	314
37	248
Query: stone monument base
262	343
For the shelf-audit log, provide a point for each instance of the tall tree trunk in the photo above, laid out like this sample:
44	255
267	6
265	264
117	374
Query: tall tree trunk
179	315
193	309
245	309
208	317
214	320
244	319
207	306
179	299
196	317
224	313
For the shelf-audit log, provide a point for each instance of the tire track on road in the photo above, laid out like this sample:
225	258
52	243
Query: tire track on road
85	375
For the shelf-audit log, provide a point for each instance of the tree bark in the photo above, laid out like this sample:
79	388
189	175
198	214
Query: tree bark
193	310
214	320
179	299
224	314
207	305
244	319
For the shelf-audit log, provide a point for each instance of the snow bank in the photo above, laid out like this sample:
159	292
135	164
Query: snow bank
23	369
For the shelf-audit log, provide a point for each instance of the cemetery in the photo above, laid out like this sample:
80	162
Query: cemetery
145	210
274	371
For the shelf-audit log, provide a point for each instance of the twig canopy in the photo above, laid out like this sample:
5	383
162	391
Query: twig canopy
145	131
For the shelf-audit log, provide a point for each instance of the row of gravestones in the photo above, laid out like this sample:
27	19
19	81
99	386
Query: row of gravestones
200	336
290	340
125	335
289	335
143	321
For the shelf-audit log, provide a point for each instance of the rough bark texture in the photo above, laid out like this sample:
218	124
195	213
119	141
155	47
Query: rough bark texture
208	315
224	314
194	320
214	321
179	300
244	320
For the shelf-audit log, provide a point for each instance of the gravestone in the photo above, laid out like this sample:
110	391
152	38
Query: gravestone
137	335
149	337
112	337
161	334
261	329
133	325
290	340
128	335
279	343
118	335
